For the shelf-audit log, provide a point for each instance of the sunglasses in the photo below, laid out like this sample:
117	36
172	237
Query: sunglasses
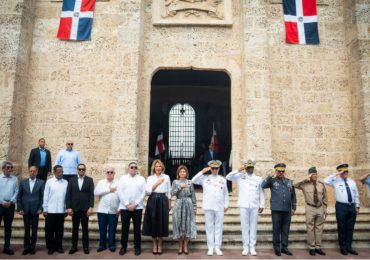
81	169
214	168
280	171
133	167
110	172
69	143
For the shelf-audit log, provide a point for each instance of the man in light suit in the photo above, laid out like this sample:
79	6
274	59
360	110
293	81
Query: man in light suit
41	158
80	204
29	204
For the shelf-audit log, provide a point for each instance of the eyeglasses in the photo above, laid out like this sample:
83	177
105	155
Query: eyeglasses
69	143
133	167
110	172
81	169
280	171
9	167
214	168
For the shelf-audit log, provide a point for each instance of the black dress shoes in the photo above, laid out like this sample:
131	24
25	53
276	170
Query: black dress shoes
312	251
137	251
351	251
25	252
319	251
100	249
86	251
343	252
286	251
60	250
8	251
72	250
50	251
122	251
277	252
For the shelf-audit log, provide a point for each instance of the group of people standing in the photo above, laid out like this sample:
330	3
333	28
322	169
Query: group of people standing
71	193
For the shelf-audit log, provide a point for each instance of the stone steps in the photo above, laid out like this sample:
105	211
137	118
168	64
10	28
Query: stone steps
232	230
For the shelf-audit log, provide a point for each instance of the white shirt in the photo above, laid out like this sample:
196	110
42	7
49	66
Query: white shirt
80	181
215	193
131	189
251	194
109	201
164	187
340	189
32	184
54	195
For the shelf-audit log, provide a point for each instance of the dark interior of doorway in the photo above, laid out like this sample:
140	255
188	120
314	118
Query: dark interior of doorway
208	92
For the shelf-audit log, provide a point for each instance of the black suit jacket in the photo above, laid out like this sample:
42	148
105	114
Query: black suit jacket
35	158
77	199
30	202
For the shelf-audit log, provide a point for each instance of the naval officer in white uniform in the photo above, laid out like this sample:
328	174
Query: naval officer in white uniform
215	203
251	201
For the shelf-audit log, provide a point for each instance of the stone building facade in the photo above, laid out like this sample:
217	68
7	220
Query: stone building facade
300	104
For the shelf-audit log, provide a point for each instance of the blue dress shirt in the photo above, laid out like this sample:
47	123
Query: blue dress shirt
8	188
69	160
367	181
42	157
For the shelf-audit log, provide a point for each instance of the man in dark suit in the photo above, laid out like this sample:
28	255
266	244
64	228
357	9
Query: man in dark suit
209	155
80	204
41	158
29	204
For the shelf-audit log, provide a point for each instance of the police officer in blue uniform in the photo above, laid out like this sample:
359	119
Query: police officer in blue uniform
283	205
347	206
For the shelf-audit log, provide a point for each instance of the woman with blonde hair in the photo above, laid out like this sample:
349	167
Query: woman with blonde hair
158	186
183	214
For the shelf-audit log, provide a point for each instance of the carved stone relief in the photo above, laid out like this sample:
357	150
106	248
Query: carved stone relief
182	12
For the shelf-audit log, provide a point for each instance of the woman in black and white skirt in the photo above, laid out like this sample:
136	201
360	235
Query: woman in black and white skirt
158	186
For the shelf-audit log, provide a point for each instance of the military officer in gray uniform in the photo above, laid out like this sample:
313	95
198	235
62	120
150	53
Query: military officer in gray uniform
283	205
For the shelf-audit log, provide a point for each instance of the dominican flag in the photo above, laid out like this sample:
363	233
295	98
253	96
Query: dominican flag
214	140
300	18
159	147
76	20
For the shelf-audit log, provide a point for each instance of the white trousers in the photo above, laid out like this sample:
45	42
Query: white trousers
249	220
214	225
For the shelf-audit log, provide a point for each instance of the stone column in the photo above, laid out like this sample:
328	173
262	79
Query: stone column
358	42
125	113
257	127
16	26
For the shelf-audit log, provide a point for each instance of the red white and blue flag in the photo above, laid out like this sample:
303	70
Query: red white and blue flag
300	18
76	20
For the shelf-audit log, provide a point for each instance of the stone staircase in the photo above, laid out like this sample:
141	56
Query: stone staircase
232	230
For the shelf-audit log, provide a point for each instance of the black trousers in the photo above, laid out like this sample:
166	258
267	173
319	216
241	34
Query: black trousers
280	229
54	230
77	218
8	215
346	219
42	173
31	222
126	216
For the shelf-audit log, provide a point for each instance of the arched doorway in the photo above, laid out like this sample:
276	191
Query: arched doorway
187	107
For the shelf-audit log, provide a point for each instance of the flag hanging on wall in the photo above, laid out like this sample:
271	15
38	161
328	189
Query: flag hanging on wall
76	20
300	17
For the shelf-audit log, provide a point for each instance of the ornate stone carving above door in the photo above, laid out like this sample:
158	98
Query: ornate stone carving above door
192	12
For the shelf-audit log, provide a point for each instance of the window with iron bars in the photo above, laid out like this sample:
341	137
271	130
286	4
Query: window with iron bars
182	131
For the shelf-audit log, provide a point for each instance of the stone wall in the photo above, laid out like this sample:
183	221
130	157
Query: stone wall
16	26
303	105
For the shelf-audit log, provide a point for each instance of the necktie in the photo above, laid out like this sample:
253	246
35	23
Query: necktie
348	191
315	197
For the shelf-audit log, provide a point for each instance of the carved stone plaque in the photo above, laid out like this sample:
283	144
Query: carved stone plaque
192	12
